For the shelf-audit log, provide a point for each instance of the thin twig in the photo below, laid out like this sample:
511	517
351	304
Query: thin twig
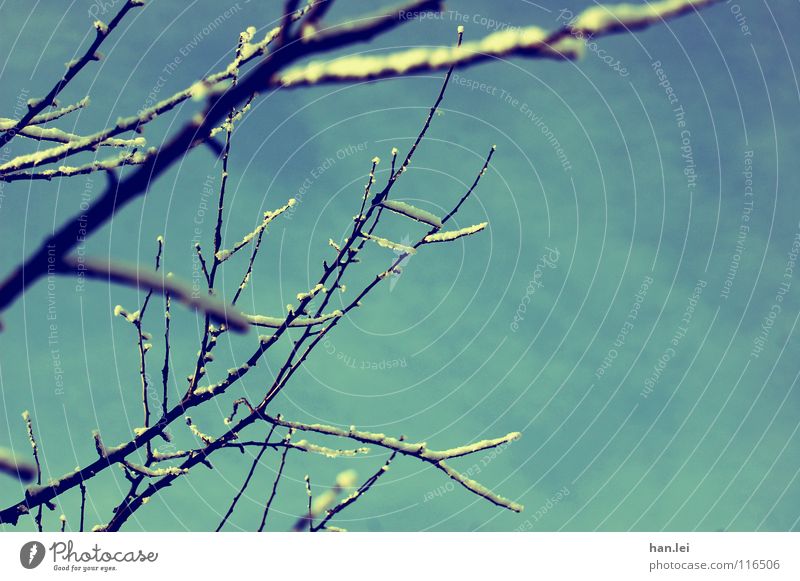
567	42
357	494
145	279
309	519
73	68
165	368
83	504
275	484
26	416
246	482
219	102
64	239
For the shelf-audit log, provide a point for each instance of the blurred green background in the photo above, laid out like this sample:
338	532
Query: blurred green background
684	427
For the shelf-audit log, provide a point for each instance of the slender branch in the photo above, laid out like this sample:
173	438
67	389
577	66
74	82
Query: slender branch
145	280
48	116
347	252
451	235
73	68
246	482
357	494
206	345
420	451
220	102
111	164
286	373
249	271
144	347
309	518
416	449
528	42
26	416
83	504
53	134
317	11
223	255
301	446
274	491
56	114
278	322
165	368
152	473
471	189
203	265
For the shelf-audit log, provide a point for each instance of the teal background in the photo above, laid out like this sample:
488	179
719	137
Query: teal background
710	448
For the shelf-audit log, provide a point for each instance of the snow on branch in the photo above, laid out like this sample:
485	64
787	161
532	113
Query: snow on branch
528	42
223	255
450	235
418	450
278	322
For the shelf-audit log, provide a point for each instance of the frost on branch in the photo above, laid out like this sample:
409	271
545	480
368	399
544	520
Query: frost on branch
451	235
420	450
413	213
385	243
278	322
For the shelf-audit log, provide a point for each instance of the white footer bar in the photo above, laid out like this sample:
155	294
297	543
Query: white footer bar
357	556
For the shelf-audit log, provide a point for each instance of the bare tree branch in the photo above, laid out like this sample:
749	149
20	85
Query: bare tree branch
246	482
147	280
275	483
16	468
322	525
26	416
73	68
527	42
